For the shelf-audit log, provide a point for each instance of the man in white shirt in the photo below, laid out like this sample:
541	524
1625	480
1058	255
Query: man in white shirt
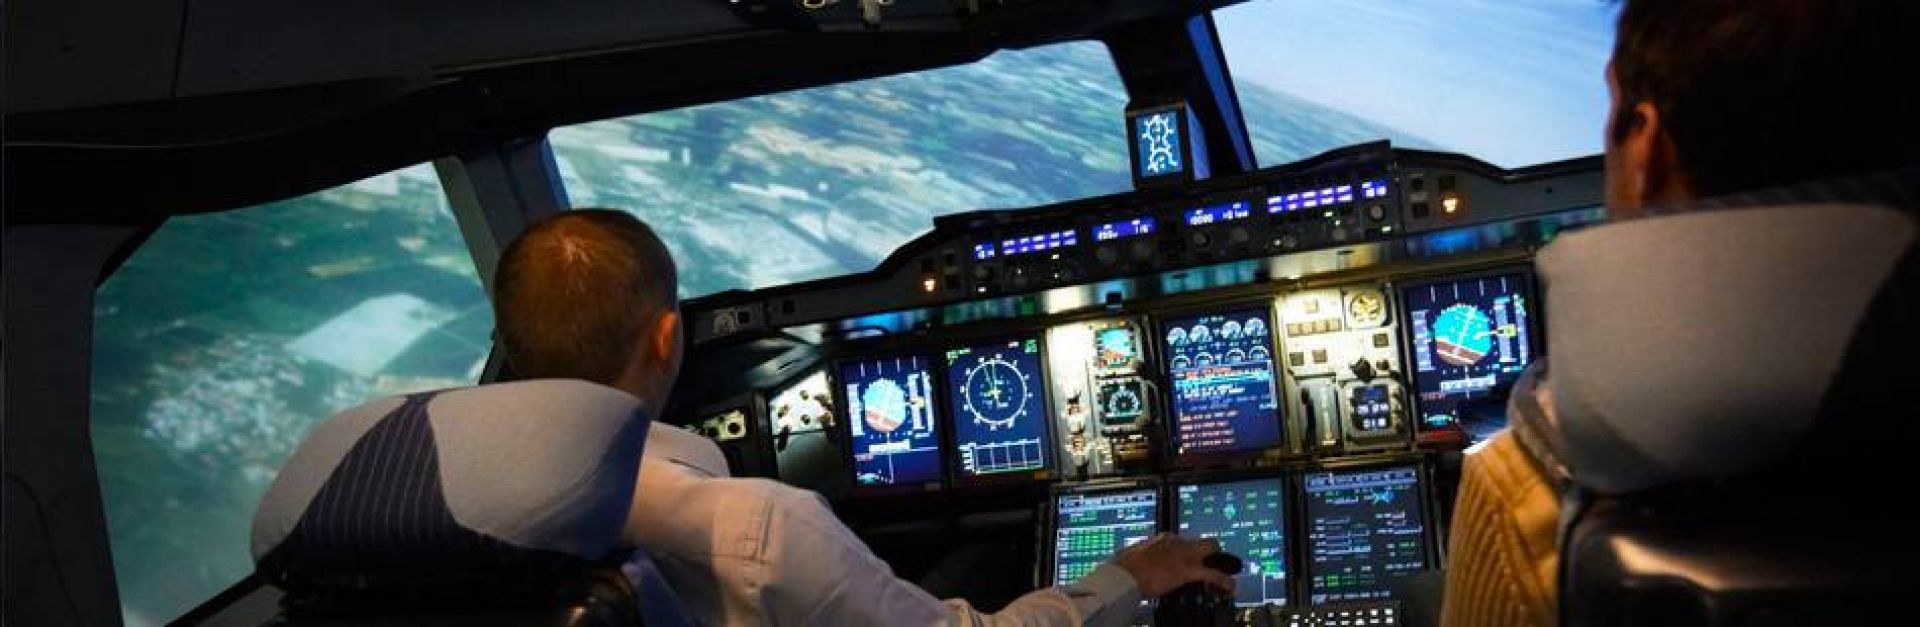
592	295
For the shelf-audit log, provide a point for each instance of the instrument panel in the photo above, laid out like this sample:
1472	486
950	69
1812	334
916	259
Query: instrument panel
1282	361
1378	365
1310	537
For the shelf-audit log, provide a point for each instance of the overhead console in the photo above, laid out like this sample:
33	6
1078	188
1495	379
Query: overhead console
1362	204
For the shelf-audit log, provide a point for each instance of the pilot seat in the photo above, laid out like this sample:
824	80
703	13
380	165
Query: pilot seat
499	504
1730	396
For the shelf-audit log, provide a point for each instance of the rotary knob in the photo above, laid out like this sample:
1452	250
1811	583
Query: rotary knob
1142	250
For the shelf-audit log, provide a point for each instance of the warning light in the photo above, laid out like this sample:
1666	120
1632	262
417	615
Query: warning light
1450	204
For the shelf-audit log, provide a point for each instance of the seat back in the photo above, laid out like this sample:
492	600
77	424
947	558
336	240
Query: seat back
498	504
1784	510
1743	557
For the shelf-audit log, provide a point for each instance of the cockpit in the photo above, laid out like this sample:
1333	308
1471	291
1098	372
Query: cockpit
1011	285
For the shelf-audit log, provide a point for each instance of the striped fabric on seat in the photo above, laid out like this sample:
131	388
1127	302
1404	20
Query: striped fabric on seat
493	488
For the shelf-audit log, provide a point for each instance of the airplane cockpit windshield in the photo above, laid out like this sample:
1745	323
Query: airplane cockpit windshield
1040	281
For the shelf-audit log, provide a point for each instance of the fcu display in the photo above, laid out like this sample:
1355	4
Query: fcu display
890	415
1249	520
1470	343
1091	526
999	407
1223	382
1365	530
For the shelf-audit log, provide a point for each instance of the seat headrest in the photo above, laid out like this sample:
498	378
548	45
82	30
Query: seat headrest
454	486
1701	345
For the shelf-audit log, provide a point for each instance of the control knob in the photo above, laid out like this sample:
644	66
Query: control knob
1142	250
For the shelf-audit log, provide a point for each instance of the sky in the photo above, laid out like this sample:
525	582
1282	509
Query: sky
1513	82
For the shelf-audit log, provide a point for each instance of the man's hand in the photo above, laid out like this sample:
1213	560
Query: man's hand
1166	561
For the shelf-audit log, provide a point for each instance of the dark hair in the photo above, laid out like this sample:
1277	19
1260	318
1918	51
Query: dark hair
1758	93
571	293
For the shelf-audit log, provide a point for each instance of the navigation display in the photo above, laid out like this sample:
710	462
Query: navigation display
1470	343
890	415
1223	382
1090	527
999	407
1249	519
1365	530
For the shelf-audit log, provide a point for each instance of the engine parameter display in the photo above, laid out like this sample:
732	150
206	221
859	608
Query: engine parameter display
1223	382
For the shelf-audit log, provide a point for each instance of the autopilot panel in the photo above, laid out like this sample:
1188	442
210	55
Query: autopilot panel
1105	401
1224	393
1471	339
1091	526
1249	519
1342	360
1366	529
997	399
895	438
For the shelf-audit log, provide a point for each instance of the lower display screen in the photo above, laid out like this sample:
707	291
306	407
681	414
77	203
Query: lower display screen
890	415
999	407
1249	520
1365	530
1090	527
1223	382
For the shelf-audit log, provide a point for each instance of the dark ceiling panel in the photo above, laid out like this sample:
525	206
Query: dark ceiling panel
232	46
84	53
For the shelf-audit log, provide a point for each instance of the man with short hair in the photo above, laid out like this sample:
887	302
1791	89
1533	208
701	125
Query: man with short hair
1763	169
591	294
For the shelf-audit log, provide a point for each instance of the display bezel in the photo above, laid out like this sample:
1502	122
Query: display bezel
1170	429
1453	433
1290	502
1047	558
1430	535
842	411
950	411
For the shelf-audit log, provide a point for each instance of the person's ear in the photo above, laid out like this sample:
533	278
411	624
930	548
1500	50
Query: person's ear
1652	160
665	336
